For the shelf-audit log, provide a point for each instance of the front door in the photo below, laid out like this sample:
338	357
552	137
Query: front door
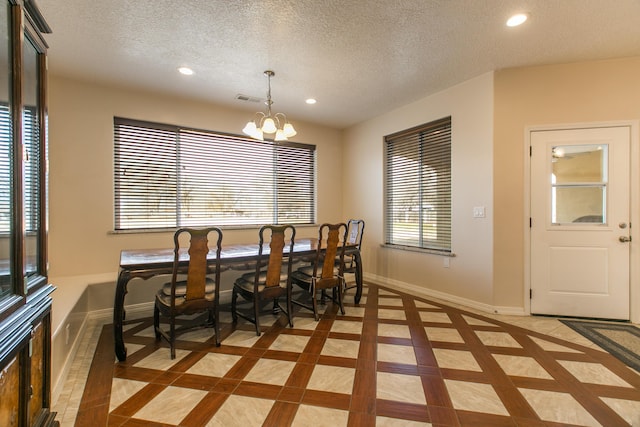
580	229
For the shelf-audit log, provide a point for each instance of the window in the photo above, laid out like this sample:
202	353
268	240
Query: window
418	187
168	176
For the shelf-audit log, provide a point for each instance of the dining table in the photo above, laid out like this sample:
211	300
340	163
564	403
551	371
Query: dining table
148	263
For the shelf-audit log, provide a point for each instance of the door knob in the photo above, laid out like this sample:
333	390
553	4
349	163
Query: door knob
624	239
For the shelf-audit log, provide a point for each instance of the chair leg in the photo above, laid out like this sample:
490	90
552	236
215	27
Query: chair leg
156	322
172	337
256	314
216	326
234	297
314	301
339	290
289	307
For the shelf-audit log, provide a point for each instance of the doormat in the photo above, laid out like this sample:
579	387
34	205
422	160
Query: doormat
622	340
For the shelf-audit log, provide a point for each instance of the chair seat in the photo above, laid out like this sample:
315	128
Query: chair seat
305	273
164	294
247	280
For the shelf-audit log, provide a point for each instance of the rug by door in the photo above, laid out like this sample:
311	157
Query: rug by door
620	339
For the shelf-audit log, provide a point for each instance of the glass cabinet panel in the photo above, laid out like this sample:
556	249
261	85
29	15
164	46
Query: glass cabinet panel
6	156
31	157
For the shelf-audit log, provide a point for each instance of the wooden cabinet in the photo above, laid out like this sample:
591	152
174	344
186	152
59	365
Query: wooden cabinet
25	294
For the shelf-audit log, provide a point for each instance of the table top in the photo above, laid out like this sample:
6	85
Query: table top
146	258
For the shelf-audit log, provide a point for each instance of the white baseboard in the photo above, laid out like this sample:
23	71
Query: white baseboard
58	383
430	293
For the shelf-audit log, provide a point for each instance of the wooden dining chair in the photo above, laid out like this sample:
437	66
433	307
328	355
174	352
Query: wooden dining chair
199	293
323	273
270	281
354	237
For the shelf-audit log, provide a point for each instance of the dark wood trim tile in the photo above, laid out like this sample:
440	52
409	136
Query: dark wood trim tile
138	400
327	399
198	382
402	410
204	410
281	414
291	394
477	419
265	391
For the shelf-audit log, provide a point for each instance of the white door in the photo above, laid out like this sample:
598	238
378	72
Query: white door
580	193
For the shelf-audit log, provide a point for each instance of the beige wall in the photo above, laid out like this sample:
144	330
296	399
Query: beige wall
469	277
550	95
82	247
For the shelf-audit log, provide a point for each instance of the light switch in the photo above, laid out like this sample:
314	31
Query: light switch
478	212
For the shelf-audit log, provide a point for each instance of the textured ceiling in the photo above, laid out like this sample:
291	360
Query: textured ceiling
358	58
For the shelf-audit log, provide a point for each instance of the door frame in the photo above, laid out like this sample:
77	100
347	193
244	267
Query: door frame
634	204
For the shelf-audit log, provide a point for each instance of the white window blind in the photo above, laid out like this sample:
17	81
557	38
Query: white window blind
167	176
6	154
31	138
418	187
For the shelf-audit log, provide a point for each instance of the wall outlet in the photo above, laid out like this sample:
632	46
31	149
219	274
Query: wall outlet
445	262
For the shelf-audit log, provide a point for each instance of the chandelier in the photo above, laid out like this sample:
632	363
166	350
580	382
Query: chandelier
269	123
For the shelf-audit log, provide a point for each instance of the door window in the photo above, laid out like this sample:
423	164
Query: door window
579	184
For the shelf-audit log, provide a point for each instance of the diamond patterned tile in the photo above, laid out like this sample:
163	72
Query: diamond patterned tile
470	396
400	388
171	405
314	415
332	378
294	343
341	348
241	411
456	359
397	331
558	407
521	366
396	354
434	316
214	364
385	313
497	339
269	371
347	327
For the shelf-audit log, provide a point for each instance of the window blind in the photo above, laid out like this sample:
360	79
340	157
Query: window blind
168	176
6	154
418	187
31	189
31	138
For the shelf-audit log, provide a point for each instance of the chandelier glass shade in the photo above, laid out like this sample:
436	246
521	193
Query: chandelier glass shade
269	123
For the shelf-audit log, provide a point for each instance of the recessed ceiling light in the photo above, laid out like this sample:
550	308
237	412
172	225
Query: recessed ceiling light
185	70
310	101
517	19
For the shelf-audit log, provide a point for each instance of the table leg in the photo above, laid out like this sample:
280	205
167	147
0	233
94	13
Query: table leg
118	314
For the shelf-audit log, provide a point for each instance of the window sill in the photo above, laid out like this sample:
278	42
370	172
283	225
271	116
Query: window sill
173	230
421	250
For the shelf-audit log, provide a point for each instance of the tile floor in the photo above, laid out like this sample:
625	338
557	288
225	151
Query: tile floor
393	360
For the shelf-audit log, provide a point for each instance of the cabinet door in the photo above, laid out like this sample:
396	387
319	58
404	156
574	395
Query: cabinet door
10	394
38	373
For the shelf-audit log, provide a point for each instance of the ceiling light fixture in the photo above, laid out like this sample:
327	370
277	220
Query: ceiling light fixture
310	101
517	19
269	123
186	71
